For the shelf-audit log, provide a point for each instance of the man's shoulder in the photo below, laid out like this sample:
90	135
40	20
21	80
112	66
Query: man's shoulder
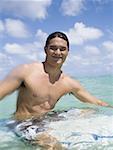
28	66
68	77
71	80
25	69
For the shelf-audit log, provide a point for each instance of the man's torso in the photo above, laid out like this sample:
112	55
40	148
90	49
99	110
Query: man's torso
37	95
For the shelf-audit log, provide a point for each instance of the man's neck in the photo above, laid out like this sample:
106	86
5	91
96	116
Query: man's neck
54	72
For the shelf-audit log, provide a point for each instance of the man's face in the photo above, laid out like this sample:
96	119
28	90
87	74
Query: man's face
56	51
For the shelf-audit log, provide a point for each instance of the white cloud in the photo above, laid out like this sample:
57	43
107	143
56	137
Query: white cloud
1	70
82	60
5	60
92	50
20	50
110	33
108	45
31	51
14	48
2	56
41	35
80	33
28	51
34	9
31	57
16	28
101	1
1	26
72	7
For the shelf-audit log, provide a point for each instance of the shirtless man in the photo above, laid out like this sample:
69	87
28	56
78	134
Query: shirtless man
41	85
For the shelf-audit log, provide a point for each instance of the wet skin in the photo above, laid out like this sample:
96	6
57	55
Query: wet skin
41	85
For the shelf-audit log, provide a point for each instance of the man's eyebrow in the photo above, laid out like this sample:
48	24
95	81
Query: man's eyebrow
52	45
57	46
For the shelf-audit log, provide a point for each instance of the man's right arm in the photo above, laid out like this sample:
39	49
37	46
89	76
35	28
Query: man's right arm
12	82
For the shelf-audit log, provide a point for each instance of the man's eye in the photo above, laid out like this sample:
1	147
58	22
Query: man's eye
63	48
53	47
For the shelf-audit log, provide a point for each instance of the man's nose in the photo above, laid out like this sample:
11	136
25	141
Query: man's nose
58	51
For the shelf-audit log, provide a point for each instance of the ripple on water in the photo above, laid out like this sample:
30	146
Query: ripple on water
81	129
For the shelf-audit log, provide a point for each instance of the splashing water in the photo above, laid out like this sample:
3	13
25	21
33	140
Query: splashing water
81	129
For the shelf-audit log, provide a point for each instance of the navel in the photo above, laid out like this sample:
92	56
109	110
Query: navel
46	105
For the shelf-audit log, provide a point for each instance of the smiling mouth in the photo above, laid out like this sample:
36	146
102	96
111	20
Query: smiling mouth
57	57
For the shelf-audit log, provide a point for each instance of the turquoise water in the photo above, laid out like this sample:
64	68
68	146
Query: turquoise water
101	87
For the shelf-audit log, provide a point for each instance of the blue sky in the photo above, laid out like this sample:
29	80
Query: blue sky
25	24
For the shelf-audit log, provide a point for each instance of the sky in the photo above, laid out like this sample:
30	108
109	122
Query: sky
25	25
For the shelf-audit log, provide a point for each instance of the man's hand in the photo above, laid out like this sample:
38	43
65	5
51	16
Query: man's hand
101	103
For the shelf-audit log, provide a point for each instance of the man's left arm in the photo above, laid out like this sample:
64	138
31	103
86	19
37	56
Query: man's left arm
84	96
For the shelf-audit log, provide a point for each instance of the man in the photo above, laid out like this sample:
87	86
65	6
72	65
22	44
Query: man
41	85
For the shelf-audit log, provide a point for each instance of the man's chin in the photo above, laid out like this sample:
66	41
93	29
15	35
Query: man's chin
60	61
56	63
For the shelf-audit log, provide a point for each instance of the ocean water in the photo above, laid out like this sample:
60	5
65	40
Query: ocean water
86	126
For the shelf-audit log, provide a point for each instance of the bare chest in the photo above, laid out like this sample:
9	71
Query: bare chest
41	90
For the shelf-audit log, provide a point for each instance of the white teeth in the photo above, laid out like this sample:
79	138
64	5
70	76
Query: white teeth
56	57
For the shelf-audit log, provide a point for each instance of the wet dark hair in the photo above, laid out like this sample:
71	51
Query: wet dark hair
57	34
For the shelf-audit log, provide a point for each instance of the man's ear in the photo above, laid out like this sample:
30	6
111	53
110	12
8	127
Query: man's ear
45	49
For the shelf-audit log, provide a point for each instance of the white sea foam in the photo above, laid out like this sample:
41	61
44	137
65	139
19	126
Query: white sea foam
81	127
